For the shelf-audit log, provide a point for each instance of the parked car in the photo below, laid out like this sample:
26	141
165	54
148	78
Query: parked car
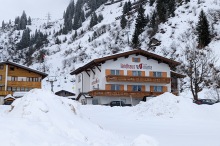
117	103
205	101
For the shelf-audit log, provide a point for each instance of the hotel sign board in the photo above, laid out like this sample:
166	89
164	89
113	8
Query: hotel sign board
139	66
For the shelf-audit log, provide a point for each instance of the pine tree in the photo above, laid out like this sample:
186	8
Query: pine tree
161	10
125	8
29	20
135	40
23	21
100	18
204	37
25	40
123	22
171	8
94	20
186	1
141	20
3	24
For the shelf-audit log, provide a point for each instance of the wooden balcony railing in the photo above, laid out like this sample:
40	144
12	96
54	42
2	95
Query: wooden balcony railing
5	93
24	84
121	78
137	94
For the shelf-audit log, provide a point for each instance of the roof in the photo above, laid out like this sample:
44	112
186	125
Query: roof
178	75
64	91
147	54
9	96
24	67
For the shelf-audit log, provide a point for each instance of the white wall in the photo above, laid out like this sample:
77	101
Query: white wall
98	80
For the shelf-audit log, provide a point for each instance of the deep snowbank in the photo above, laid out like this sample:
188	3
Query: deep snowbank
42	118
165	105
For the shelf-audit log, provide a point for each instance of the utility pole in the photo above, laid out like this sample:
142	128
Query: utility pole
48	18
51	80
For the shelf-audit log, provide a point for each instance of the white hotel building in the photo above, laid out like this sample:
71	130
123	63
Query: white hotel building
131	77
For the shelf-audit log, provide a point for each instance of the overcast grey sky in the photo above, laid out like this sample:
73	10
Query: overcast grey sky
9	9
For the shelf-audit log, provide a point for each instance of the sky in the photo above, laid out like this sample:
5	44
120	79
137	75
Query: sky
9	9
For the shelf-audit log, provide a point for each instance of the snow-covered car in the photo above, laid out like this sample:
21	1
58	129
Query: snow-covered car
205	101
117	103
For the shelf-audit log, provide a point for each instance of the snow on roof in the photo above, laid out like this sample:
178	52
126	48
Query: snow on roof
19	94
9	96
24	67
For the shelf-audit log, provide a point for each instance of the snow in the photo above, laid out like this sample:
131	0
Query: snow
42	118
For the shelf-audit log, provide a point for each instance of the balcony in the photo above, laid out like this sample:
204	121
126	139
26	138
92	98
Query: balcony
24	84
121	78
5	93
137	94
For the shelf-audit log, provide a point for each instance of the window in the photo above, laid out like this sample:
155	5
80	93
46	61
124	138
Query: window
14	78
136	73
136	59
157	74
18	89
115	87
158	89
1	67
12	68
1	88
26	89
115	72
9	88
14	89
0	77
136	87
22	88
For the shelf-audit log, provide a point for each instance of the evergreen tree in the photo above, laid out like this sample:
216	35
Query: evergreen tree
23	21
123	22
141	20
100	18
3	24
204	37
94	20
186	1
171	8
25	39
125	8
153	20
29	20
135	40
161	10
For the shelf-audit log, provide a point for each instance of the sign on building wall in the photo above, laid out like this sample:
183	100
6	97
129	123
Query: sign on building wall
139	66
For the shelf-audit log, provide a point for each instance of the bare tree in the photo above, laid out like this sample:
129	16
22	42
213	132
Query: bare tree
198	65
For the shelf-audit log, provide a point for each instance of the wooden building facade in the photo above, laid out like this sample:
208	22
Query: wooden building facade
18	78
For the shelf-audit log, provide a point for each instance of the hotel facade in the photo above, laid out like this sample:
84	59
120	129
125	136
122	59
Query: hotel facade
130	77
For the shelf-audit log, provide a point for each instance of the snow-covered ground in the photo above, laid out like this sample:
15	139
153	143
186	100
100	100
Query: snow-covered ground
41	118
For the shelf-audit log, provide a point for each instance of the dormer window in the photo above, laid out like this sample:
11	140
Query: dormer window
135	59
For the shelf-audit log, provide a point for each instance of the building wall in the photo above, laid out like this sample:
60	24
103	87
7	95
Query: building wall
160	67
2	73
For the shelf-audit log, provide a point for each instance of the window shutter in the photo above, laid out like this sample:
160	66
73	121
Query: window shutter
107	72
165	89
143	73
108	87
143	88
129	87
122	87
151	74
151	88
129	72
164	74
121	72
